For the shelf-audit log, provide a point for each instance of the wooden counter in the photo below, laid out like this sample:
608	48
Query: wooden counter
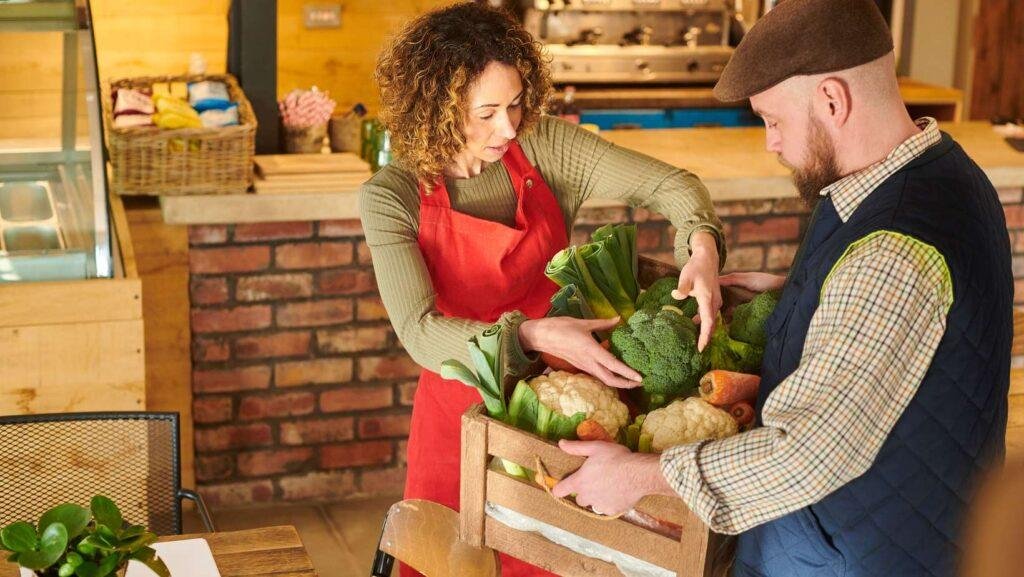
732	162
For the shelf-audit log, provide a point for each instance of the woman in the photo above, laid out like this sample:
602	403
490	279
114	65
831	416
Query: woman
483	192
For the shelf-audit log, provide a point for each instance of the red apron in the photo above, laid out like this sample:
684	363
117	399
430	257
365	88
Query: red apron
479	269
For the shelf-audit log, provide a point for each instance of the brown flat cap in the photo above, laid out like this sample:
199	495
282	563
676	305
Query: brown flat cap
803	37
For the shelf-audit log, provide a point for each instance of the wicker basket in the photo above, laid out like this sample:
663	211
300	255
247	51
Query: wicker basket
149	160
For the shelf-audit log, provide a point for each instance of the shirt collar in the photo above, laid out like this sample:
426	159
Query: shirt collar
848	192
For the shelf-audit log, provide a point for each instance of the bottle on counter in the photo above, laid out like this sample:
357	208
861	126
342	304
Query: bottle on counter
568	110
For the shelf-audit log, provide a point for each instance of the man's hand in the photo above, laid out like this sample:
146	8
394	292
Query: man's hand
612	479
699	279
757	282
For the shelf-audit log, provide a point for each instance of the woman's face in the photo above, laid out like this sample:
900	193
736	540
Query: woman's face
494	113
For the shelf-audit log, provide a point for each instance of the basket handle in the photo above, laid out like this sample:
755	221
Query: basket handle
542	478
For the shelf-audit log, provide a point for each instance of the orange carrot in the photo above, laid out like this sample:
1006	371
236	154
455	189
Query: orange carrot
558	363
591	430
742	412
723	388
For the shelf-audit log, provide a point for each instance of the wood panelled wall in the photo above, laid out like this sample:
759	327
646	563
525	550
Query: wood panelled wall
998	88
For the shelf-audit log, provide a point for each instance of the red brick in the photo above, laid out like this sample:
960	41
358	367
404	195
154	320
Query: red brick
649	238
370	309
335	228
319	431
356	454
363	255
1010	195
791	205
264	231
214	468
313	372
743	207
406	393
245	318
233	437
602	215
347	281
208	291
287	344
350	340
390	481
1018	295
745	258
207	234
321	486
729	232
231	380
344	399
230	259
315	314
210	351
1017	240
379	426
313	255
395	367
207	409
274	287
260	407
780	256
234	494
644	215
1014	215
769	230
275	462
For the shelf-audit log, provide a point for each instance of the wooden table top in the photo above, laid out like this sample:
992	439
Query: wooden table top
264	552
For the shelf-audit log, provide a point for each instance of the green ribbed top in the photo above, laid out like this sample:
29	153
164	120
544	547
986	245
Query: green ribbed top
577	165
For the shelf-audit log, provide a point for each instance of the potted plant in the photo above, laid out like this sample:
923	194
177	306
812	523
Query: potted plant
72	540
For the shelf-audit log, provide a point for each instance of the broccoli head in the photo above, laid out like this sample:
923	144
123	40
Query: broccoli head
728	354
662	346
749	319
659	294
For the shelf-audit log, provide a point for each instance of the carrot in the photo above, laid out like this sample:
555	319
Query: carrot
558	363
723	388
742	412
591	430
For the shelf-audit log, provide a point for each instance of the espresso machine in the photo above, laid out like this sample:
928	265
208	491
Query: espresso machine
632	41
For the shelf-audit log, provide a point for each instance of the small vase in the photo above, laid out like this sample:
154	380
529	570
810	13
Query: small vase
308	140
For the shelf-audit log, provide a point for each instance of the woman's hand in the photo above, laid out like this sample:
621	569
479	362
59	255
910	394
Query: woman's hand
699	279
571	340
757	282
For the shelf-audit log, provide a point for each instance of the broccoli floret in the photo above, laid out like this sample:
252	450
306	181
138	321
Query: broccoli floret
659	294
728	354
748	319
662	346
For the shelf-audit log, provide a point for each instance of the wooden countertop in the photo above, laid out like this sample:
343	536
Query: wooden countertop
732	162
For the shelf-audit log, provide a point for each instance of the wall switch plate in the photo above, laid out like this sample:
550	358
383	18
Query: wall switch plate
321	16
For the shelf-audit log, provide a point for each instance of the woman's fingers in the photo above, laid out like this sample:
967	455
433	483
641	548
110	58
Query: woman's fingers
609	378
610	362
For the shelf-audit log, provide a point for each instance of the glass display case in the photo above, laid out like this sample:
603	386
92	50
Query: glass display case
54	218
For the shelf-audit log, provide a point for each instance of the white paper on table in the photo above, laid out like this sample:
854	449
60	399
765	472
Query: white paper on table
186	558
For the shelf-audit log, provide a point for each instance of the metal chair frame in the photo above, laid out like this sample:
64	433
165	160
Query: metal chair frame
171	417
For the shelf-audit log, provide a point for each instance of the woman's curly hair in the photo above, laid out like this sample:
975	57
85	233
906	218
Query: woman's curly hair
425	73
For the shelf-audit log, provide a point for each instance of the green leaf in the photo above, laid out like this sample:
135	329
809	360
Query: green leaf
132	531
75	518
483	370
105	537
19	537
108	565
158	567
51	547
106	512
144	554
136	542
13	558
87	569
563	427
522	408
454	370
66	570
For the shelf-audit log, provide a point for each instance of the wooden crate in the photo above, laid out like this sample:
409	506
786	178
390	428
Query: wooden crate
69	346
484	438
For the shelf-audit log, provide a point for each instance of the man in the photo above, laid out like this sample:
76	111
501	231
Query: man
884	382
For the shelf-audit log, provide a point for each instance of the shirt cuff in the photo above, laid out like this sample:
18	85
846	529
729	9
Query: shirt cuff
518	363
681	467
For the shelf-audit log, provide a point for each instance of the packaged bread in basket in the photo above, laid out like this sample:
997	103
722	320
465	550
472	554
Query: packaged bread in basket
176	135
510	457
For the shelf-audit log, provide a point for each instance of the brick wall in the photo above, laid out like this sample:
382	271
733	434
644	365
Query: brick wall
301	389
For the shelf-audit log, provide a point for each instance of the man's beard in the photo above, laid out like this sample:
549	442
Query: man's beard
821	168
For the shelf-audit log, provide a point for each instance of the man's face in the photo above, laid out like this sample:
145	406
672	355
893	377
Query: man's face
799	139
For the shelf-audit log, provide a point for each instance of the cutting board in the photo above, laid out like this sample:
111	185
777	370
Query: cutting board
270	165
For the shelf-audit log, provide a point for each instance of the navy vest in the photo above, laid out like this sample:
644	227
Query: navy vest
902	517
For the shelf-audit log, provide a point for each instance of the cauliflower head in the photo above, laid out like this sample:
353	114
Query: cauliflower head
569	394
687	421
